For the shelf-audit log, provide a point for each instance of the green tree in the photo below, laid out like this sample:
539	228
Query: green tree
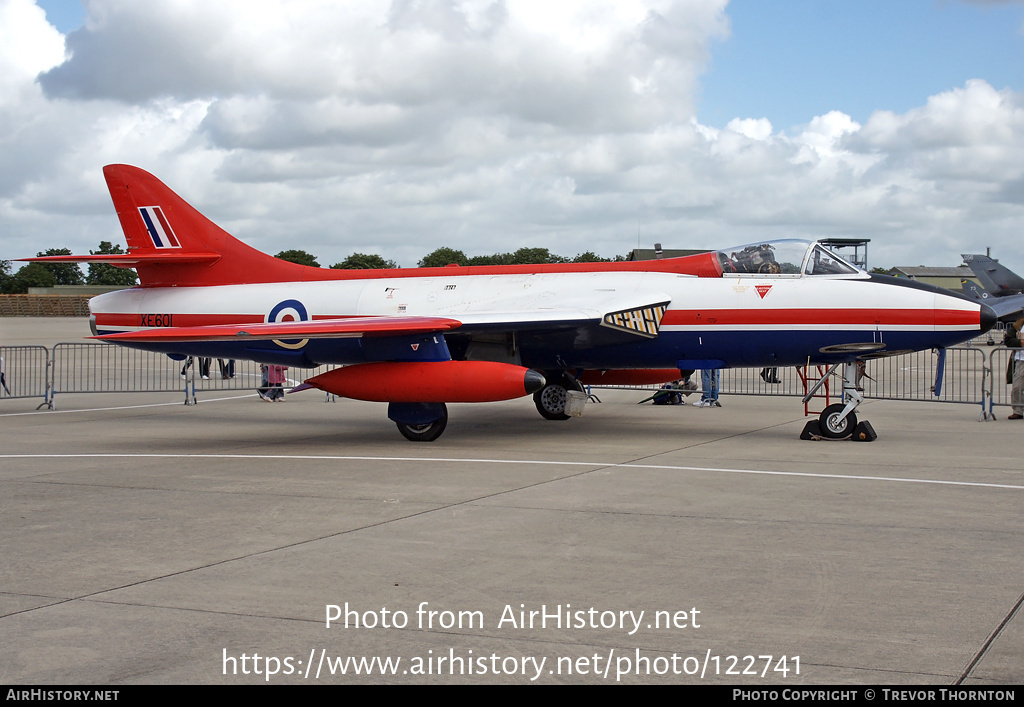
31	275
298	256
365	261
523	256
442	257
63	273
106	274
493	259
536	256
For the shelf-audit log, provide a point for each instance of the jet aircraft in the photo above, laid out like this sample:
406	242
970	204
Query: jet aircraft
1001	288
419	338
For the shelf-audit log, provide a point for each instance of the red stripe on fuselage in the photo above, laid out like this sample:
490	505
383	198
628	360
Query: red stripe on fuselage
177	319
836	317
181	319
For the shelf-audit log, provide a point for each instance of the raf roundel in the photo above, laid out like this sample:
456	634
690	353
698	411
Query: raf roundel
290	310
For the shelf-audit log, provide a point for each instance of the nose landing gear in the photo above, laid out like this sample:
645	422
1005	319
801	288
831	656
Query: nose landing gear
839	421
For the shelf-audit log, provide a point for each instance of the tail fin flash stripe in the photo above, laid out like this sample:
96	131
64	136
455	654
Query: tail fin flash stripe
160	231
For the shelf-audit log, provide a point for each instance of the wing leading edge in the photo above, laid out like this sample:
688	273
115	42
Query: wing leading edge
349	327
643	320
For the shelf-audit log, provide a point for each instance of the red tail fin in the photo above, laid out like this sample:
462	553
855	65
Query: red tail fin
176	245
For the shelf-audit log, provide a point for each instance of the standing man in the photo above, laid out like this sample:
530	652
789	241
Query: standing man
1015	370
710	379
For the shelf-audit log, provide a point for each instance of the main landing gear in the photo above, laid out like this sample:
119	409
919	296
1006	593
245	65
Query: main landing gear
839	420
419	422
550	400
424	433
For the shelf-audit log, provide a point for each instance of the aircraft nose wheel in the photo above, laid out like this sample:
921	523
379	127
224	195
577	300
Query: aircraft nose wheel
833	425
427	432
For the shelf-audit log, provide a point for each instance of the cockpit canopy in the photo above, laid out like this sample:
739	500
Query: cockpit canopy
788	257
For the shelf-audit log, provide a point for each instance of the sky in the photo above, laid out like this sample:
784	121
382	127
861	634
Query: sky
401	126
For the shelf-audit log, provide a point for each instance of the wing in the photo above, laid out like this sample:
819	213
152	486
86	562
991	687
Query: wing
635	313
1006	306
348	327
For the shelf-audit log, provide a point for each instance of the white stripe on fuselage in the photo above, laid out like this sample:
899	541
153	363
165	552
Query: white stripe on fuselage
503	296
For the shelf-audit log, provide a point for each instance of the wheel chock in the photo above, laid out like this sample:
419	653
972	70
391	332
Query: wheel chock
812	430
864	432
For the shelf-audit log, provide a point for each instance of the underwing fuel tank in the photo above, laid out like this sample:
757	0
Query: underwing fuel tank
430	382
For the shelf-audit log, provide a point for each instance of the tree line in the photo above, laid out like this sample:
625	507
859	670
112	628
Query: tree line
52	274
448	256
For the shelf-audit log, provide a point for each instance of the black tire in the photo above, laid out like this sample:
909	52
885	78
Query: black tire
550	401
424	433
834	428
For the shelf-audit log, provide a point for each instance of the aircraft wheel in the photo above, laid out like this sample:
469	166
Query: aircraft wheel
424	433
550	402
835	427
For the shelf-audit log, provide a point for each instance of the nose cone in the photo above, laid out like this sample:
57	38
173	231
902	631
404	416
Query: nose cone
533	381
988	318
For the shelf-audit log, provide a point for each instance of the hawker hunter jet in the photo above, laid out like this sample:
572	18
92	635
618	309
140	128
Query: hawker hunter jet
422	337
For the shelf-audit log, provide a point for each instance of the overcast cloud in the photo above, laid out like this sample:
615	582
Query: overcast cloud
399	127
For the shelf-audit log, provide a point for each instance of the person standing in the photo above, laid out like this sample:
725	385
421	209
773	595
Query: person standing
276	380
710	378
264	390
3	377
1015	369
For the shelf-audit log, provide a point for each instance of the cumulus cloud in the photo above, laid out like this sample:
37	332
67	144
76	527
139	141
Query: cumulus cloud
604	65
399	127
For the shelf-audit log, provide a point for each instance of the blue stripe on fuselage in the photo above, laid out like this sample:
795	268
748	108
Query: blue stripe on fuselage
738	349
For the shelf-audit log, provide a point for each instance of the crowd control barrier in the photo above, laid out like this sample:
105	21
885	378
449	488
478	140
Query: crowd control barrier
24	371
971	374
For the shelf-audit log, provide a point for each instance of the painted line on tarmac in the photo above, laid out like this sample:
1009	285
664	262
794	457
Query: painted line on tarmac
452	460
122	407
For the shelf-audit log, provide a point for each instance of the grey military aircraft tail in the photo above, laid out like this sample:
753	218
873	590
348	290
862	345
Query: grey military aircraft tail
1001	288
998	280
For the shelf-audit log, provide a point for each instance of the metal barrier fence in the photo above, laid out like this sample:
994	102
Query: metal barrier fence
973	374
912	376
103	368
905	377
38	372
1000	361
24	371
99	367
